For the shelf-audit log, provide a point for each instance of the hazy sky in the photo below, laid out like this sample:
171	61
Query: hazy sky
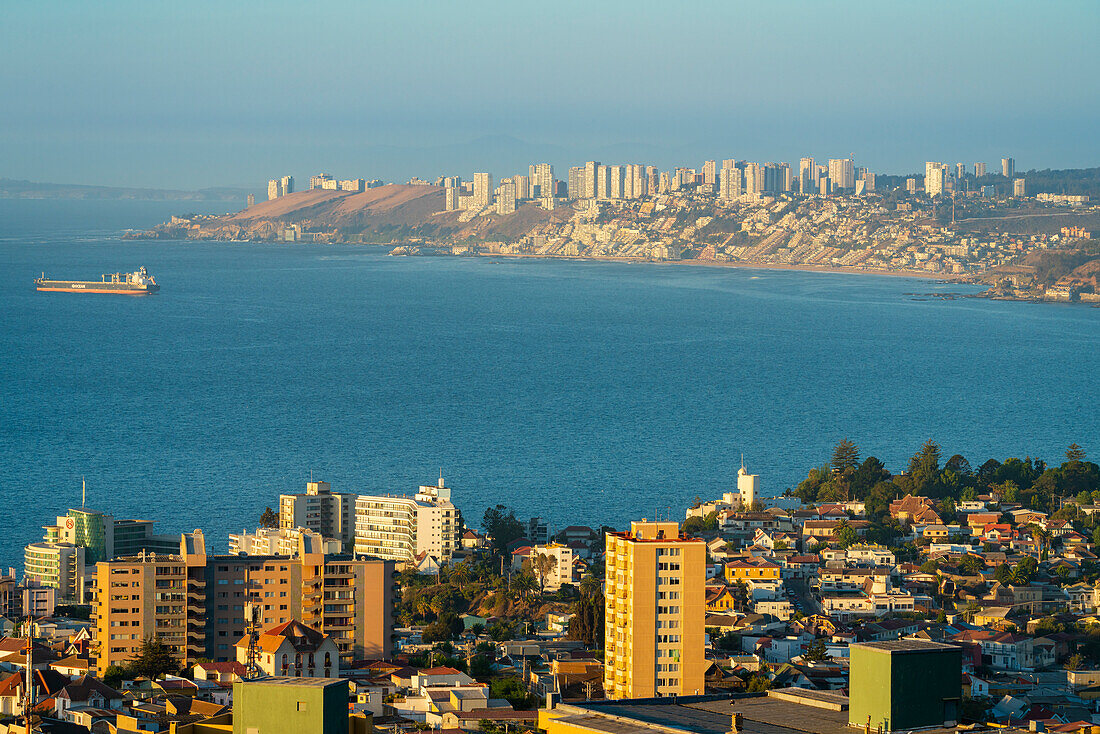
192	94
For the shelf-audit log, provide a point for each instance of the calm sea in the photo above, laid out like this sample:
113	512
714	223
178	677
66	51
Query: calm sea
582	392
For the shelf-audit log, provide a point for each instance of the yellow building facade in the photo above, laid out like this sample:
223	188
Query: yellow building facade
751	569
655	606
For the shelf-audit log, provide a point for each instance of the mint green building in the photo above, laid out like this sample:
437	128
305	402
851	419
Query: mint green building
300	705
904	684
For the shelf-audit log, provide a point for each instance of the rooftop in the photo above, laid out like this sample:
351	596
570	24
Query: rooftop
822	712
906	645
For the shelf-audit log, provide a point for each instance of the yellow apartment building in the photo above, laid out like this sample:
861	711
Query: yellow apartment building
655	606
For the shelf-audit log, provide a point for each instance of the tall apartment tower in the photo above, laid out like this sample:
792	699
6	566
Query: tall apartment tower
615	187
710	173
807	175
754	178
654	612
979	170
1008	167
483	189
523	187
542	175
842	173
934	178
603	182
591	179
576	183
450	198
729	184
506	198
330	514
1018	188
777	177
277	187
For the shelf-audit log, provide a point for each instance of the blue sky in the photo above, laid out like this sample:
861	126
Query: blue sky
213	93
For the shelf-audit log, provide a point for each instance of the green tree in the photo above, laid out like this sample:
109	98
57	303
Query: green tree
268	518
971	564
870	472
1075	453
808	488
541	565
514	691
1076	660
924	469
845	458
114	675
845	534
816	652
152	660
758	683
501	525
525	583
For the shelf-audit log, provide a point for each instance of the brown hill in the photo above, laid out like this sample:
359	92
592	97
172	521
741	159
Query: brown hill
285	206
397	212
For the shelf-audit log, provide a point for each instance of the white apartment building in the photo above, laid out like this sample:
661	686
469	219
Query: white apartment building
729	184
561	572
56	565
506	197
483	189
401	528
934	175
327	513
542	175
842	173
591	178
279	542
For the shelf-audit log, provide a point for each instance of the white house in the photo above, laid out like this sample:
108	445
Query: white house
293	650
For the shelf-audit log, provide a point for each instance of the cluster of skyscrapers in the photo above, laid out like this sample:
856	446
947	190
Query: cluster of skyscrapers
940	179
599	182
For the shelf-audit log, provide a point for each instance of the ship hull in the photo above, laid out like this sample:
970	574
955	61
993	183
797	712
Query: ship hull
118	289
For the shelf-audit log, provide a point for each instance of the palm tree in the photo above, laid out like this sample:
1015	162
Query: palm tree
460	574
1042	539
524	583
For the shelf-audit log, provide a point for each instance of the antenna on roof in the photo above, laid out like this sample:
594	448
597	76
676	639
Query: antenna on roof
83	492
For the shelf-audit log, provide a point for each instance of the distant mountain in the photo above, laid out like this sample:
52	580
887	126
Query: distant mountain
18	189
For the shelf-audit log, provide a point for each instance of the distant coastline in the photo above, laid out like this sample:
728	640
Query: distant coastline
752	265
22	189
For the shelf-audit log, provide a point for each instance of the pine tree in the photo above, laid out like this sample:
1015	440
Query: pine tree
268	519
1075	453
152	660
845	457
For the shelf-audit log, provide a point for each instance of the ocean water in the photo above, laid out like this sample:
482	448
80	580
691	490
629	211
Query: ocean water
583	392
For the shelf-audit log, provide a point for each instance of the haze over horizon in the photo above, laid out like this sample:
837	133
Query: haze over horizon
137	94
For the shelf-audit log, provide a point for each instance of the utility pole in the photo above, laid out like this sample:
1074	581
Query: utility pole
28	679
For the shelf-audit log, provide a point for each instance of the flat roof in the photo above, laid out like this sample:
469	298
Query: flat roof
297	682
906	645
713	714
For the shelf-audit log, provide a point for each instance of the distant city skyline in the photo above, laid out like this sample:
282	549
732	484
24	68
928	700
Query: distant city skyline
133	94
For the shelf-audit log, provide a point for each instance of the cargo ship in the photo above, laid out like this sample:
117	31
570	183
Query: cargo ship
137	283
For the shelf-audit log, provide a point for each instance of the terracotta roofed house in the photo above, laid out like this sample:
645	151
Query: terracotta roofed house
293	650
